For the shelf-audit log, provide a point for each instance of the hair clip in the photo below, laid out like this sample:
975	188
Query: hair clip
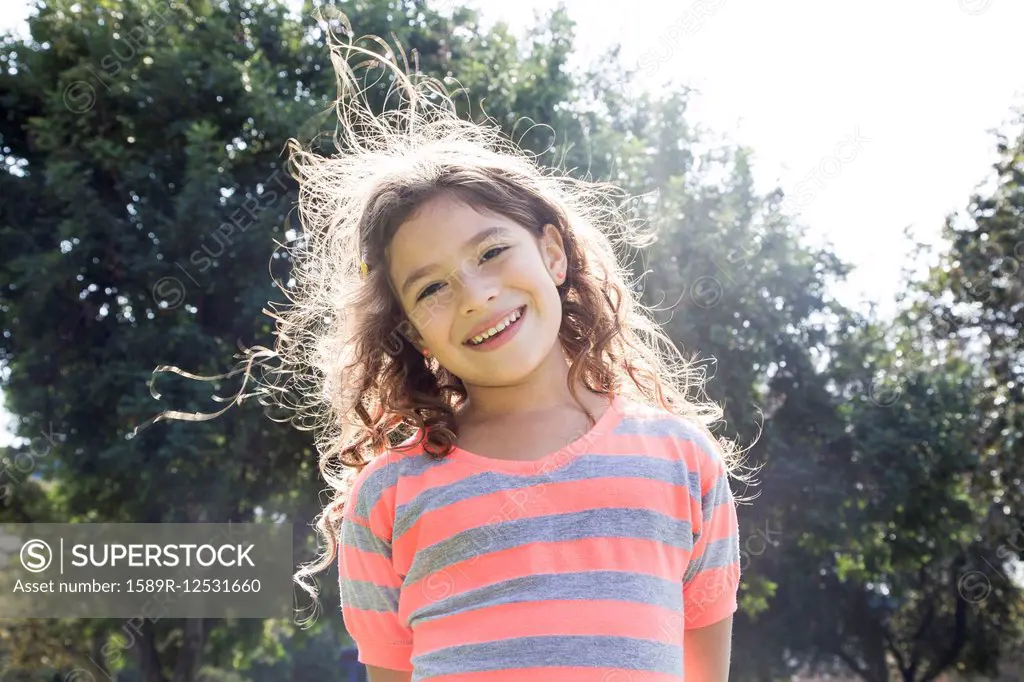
363	268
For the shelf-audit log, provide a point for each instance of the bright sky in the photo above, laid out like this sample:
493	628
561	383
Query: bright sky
920	83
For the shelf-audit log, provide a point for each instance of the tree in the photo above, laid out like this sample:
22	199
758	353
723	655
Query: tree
144	185
976	291
142	188
902	566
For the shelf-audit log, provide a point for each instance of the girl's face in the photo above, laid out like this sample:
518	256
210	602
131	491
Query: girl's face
460	272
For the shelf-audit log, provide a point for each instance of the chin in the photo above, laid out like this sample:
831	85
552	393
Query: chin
498	378
512	370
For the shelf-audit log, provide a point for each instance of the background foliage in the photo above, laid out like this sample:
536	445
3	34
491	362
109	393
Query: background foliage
142	192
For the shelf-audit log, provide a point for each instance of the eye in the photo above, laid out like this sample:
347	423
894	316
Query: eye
497	249
429	291
493	252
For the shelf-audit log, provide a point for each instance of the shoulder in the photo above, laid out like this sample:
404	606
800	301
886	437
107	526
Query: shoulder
381	475
681	435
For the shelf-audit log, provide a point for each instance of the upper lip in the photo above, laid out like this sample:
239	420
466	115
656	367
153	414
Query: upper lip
495	320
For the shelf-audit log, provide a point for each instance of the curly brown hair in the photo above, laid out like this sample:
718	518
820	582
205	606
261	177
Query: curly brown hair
345	344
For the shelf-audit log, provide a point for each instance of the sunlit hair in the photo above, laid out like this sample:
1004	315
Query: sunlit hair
343	341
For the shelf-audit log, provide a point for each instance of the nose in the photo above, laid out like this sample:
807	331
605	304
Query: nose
477	293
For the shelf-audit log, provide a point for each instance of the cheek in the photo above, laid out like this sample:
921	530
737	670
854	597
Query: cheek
432	318
526	271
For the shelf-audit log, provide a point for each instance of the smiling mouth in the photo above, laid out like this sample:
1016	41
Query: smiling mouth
521	313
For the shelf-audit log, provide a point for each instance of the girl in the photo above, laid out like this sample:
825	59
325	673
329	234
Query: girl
521	486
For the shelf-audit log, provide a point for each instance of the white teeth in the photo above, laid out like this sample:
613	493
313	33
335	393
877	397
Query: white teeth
495	329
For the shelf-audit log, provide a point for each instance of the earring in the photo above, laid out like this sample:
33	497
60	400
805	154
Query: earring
426	352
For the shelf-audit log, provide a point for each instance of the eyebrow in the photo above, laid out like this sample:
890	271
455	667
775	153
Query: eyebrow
421	272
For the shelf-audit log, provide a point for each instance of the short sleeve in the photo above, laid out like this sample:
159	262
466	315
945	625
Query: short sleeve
370	586
711	583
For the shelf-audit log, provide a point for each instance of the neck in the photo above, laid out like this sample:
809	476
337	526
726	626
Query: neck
545	388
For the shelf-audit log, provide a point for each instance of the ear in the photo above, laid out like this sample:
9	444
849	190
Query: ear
552	251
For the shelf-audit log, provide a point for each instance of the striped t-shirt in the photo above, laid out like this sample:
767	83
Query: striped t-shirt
587	564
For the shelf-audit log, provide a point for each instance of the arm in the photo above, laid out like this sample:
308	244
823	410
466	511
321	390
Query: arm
711	582
376	674
369	584
706	652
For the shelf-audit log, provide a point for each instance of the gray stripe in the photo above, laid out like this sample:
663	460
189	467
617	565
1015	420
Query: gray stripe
361	594
552	651
586	586
670	426
356	535
376	483
579	469
717	554
719	494
592	523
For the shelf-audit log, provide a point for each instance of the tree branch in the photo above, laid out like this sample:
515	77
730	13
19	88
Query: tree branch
854	665
956	646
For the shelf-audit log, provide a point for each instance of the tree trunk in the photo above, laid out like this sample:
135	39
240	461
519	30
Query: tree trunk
191	654
149	661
